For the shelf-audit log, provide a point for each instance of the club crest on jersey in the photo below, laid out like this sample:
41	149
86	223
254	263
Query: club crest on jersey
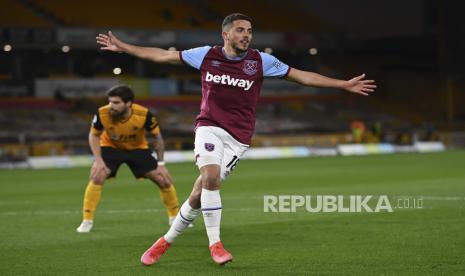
250	67
209	146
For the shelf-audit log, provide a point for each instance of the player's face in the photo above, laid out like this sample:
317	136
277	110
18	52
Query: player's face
118	108
239	35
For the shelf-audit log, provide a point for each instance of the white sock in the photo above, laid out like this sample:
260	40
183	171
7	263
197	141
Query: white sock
211	210
185	217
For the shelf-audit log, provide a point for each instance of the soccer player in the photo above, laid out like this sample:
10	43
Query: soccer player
232	77
117	136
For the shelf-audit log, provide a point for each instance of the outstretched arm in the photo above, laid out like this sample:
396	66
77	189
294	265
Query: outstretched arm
355	85
110	42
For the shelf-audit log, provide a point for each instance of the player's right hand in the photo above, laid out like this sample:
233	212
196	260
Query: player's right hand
360	86
110	42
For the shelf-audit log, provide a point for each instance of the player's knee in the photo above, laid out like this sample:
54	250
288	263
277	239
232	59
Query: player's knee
164	184
158	180
98	179
210	182
210	177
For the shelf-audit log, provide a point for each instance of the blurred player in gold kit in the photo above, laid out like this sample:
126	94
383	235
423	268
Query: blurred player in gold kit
117	136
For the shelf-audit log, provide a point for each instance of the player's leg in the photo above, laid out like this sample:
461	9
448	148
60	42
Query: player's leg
169	198
212	209
211	200
190	210
194	197
208	149
168	193
144	165
209	152
91	200
94	189
210	158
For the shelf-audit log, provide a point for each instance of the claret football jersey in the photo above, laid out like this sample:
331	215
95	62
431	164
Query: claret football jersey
231	87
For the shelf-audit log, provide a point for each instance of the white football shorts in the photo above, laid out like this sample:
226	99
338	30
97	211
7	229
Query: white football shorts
214	145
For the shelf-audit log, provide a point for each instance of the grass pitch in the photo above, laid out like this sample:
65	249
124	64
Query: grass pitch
40	209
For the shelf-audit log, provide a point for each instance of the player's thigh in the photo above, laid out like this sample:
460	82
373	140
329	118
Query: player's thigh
208	147
233	152
141	162
113	159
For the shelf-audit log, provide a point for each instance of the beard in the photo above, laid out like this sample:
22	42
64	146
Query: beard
117	115
239	50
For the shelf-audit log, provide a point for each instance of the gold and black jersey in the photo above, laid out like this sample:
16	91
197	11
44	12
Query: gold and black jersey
128	134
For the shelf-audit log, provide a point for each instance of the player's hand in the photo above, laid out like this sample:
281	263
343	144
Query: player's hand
110	42
360	86
163	172
98	168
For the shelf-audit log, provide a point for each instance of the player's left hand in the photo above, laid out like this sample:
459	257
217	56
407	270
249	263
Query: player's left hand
360	86
110	42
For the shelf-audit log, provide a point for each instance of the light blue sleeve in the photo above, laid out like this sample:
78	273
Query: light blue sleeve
273	67
195	56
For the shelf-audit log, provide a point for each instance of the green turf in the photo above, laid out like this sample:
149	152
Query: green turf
40	209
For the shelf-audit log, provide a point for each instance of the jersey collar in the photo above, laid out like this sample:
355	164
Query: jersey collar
241	57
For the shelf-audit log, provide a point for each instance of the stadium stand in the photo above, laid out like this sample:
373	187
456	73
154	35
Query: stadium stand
18	14
128	14
179	14
54	127
285	116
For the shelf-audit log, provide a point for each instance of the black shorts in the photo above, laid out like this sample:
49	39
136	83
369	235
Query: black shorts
140	161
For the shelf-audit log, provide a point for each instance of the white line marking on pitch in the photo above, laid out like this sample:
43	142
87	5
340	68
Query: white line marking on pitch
69	212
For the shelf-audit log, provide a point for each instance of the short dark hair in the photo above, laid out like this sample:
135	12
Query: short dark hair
228	20
123	91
